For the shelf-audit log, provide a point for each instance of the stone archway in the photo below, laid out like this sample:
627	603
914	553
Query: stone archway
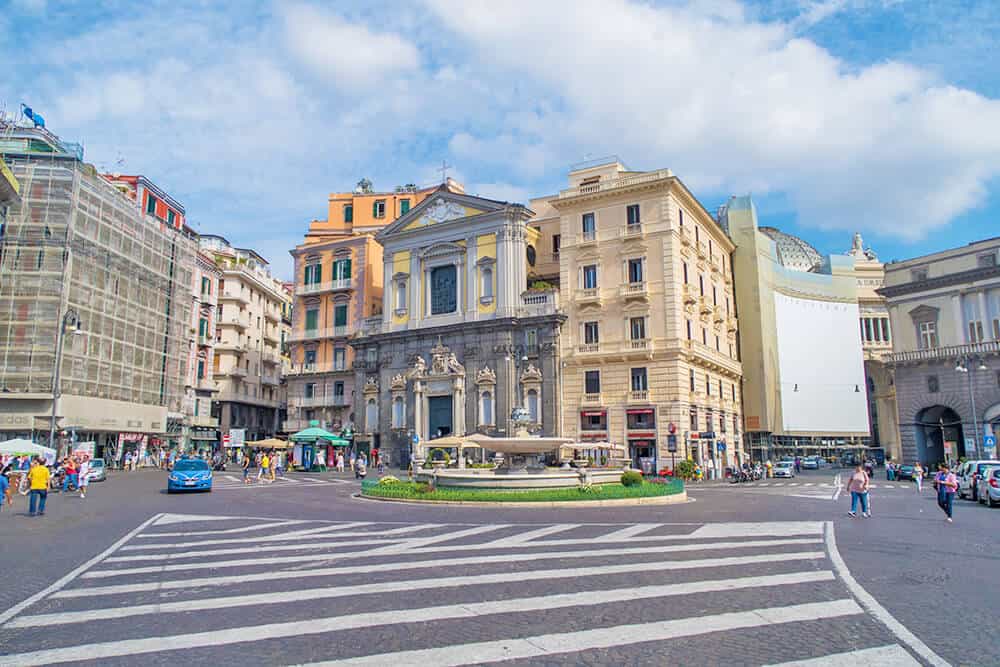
991	421
934	426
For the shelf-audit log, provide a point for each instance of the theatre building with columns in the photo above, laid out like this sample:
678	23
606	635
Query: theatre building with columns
463	338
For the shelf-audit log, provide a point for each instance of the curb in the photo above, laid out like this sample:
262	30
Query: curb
672	499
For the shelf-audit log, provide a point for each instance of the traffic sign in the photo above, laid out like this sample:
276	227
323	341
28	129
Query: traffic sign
416	439
989	440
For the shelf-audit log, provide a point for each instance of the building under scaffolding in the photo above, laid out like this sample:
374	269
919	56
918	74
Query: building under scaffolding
78	253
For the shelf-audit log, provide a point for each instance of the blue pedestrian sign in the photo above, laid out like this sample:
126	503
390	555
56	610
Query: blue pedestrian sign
990	441
416	439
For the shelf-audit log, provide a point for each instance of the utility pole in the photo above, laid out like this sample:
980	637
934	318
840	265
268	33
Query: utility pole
70	318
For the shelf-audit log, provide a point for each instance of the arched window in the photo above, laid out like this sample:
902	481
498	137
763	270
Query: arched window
486	408
371	416
487	290
398	412
533	405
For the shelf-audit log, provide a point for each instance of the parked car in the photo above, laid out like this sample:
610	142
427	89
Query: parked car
98	471
190	475
989	486
810	463
784	469
968	476
904	472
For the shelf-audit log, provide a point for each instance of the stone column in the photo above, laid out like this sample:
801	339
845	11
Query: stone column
418	418
472	285
503	273
458	405
959	320
388	293
416	313
984	316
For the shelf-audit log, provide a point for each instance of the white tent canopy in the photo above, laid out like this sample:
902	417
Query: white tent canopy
19	446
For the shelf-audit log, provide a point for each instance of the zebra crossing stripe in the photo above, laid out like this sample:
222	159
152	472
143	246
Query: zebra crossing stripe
621	635
59	618
118	589
391	617
307	534
227	531
893	655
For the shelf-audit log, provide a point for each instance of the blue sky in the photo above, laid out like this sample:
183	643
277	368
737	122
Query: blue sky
877	116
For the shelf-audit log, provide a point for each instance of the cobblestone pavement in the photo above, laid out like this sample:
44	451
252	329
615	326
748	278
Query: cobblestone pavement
736	577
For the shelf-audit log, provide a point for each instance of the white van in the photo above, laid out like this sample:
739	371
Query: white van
968	476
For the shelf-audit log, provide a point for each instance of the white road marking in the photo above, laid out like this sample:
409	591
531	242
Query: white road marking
837	482
232	478
72	574
574	642
762	529
117	589
167	519
58	618
297	535
521	538
226	531
628	533
391	617
890	486
809	484
893	655
872	606
413	545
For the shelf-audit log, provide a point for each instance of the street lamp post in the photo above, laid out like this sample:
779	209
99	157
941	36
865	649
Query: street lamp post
964	365
70	319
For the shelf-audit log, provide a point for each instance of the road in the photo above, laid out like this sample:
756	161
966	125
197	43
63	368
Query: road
301	572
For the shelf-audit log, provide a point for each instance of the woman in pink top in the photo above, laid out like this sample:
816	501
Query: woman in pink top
858	486
947	485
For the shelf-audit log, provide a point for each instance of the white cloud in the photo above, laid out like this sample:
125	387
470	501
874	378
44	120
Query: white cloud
733	105
502	191
348	54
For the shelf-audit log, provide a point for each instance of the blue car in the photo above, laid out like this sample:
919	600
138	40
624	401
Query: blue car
190	475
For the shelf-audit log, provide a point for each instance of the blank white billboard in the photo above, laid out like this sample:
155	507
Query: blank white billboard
821	366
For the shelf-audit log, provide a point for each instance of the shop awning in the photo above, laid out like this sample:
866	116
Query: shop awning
314	434
269	443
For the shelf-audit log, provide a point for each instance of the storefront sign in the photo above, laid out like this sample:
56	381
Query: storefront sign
84	449
639	411
707	435
593	413
593	435
641	434
237	437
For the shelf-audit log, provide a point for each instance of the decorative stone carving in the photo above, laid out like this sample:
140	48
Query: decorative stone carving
531	374
440	211
371	385
398	383
486	376
444	361
418	369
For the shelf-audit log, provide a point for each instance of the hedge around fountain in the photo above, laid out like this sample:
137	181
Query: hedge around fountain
421	492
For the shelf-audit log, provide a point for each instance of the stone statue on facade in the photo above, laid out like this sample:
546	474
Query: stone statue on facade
419	368
453	365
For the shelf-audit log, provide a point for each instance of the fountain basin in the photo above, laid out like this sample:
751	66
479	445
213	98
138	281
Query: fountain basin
499	479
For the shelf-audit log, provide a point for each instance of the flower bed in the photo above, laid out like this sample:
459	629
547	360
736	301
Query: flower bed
421	491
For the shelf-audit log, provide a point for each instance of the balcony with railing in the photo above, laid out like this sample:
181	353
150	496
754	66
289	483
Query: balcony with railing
312	334
205	384
689	294
272	334
587	237
638	345
588	295
234	371
638	396
204	340
270	380
334	400
228	346
588	348
318	369
633	231
541	302
591	399
634	290
272	315
205	421
626	181
240	297
320	288
235	321
951	353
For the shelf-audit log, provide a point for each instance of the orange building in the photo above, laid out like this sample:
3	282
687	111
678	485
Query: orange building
338	286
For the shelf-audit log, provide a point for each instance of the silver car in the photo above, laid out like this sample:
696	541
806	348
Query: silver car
784	469
989	486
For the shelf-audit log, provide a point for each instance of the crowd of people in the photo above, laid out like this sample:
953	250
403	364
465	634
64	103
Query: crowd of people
71	473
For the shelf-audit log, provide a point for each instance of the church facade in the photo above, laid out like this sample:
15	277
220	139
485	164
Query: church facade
463	338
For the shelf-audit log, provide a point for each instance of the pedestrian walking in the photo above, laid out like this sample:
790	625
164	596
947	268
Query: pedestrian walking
946	484
340	461
83	473
4	490
265	461
275	462
354	463
361	469
38	478
918	476
858	486
71	475
246	469
128	461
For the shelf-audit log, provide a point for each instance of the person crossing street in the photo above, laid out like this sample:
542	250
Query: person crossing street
38	477
858	486
946	484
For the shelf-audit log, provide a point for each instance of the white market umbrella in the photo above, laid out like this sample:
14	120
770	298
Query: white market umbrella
20	447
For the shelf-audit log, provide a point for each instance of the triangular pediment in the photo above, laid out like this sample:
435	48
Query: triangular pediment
441	207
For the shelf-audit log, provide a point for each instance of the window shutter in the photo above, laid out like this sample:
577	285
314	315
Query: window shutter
347	268
340	316
311	318
375	209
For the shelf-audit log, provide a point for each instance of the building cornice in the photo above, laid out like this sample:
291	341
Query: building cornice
950	280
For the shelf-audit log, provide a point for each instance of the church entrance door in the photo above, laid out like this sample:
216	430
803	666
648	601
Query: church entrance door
439	416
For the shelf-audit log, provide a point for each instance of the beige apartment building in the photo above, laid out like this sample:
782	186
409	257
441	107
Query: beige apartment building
944	310
200	429
250	336
649	354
